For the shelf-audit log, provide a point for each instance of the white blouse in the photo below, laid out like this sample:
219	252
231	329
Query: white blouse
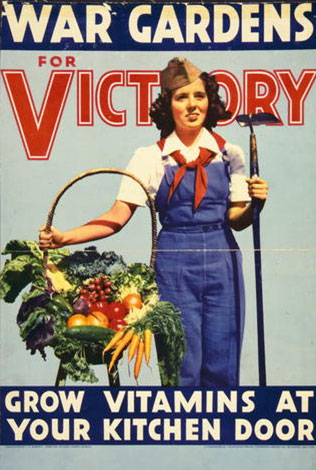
148	165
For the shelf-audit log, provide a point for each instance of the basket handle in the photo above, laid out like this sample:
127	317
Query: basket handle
96	172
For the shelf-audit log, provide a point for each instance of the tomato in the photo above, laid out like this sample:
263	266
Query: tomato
116	310
76	320
132	300
97	318
117	323
101	306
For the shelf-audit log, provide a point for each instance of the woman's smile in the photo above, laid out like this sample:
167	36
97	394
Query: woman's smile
193	116
189	105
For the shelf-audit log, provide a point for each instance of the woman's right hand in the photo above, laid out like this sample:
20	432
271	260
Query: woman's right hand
52	239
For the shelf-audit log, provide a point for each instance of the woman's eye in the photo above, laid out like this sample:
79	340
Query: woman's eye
180	97
200	96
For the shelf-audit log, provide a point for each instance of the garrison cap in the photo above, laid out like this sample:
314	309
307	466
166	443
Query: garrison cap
178	73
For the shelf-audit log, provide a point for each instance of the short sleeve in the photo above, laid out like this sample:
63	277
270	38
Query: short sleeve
141	166
238	185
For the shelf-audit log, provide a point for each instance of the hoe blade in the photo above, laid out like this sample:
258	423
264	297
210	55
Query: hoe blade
247	120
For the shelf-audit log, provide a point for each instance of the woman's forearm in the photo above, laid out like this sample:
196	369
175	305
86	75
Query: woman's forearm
101	227
93	230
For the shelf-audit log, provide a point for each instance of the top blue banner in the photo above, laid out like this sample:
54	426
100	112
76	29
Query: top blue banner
163	26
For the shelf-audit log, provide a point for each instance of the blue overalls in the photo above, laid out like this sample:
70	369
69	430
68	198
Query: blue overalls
199	270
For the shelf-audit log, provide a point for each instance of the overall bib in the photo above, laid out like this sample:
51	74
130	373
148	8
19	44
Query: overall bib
199	270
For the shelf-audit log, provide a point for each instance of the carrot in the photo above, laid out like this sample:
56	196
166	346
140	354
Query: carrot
139	358
119	335
133	346
147	343
120	347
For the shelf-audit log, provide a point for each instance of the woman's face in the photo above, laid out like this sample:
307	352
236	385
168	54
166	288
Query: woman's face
189	105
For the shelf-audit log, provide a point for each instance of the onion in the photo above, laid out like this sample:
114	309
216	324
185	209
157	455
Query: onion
81	306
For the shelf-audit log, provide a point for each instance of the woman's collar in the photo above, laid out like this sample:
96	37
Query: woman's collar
205	140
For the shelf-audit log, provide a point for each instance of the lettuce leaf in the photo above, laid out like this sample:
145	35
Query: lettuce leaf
25	267
17	274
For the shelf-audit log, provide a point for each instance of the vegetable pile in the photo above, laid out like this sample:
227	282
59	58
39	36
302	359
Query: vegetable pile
91	308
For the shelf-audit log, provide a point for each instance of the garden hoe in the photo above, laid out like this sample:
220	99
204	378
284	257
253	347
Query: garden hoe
250	120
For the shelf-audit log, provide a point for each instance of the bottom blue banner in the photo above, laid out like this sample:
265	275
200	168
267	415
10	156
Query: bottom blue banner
152	415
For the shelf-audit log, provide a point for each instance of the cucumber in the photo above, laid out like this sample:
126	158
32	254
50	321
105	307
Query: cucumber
90	333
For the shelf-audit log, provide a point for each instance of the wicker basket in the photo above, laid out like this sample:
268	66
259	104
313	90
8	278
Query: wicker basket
113	375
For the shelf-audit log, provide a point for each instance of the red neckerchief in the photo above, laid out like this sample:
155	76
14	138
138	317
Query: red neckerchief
204	158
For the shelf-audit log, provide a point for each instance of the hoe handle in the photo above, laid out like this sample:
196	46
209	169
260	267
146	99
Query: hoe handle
254	164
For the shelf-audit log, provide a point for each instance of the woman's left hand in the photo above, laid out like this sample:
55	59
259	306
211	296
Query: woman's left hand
258	188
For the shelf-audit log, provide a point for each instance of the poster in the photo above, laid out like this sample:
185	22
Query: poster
109	56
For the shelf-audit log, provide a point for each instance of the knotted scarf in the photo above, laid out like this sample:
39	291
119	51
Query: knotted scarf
204	158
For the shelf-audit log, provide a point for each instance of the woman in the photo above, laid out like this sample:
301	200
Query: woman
201	192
